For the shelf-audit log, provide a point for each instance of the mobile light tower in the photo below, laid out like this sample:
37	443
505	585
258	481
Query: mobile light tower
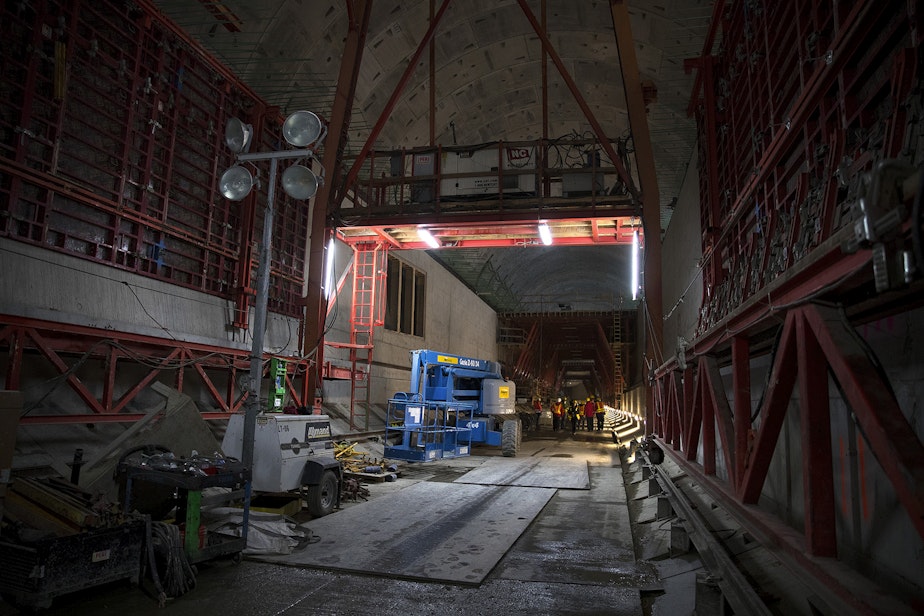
301	130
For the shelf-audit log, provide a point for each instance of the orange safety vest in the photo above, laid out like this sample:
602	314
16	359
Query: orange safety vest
558	408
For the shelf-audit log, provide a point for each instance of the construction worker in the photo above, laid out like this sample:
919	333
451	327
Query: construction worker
590	408
558	415
600	414
537	409
574	414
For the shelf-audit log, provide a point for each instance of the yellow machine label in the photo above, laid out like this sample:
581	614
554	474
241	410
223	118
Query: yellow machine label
447	359
503	392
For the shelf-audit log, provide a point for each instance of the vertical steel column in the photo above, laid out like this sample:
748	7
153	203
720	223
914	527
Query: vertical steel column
708	411
432	80
817	465
772	412
327	197
687	415
644	158
252	406
543	181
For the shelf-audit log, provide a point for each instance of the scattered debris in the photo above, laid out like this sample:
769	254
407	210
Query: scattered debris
362	466
353	490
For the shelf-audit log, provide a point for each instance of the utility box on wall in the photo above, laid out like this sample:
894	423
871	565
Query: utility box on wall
277	375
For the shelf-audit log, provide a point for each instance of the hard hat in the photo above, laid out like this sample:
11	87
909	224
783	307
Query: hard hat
559	399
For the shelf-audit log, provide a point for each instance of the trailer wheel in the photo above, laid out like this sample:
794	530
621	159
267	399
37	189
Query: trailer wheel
510	438
323	497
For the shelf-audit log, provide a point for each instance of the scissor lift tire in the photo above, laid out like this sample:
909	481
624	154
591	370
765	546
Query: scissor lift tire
510	438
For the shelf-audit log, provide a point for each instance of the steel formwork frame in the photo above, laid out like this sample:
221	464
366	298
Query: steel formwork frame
111	139
800	101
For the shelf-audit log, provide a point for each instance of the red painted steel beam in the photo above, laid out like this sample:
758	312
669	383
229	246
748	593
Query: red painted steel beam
432	67
772	413
553	209
677	410
328	194
223	15
579	99
412	63
715	388
75	383
708	434
650	195
510	243
129	395
225	404
686	411
741	385
544	85
717	8
891	437
817	464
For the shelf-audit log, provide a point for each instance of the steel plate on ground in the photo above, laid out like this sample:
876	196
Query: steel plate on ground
530	472
430	531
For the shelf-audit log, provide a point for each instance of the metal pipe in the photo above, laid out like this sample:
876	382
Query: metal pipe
252	408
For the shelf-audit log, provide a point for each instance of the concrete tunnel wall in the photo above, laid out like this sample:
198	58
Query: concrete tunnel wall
43	284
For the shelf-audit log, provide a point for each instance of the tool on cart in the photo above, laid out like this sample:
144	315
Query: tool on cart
153	481
453	402
291	452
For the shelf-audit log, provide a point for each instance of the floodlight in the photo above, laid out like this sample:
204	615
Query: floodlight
236	183
238	135
301	129
545	234
299	182
428	238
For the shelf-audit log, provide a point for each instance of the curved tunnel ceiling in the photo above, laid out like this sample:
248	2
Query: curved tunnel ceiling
488	88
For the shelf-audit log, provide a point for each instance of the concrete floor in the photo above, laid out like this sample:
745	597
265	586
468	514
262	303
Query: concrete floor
577	556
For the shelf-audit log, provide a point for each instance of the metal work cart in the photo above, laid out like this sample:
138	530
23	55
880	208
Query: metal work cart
187	490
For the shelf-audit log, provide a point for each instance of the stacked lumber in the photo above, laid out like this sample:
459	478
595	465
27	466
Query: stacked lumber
57	506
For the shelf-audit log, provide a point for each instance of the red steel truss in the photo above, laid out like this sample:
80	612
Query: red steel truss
797	110
76	355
